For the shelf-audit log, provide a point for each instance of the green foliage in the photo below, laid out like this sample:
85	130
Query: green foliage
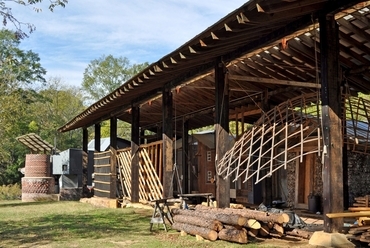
17	65
57	104
10	192
107	73
7	15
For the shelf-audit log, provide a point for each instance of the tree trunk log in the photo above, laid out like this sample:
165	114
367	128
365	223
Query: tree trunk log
264	231
233	235
279	229
251	214
198	221
253	232
299	233
230	219
196	230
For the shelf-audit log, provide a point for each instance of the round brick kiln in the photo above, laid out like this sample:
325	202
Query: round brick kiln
37	182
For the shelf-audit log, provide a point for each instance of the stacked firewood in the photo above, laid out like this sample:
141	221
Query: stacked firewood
229	224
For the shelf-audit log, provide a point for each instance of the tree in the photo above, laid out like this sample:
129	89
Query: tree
57	105
107	73
16	65
6	13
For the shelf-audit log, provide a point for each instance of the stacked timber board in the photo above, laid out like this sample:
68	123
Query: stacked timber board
234	225
361	211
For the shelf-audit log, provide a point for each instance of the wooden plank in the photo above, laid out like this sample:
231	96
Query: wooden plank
348	214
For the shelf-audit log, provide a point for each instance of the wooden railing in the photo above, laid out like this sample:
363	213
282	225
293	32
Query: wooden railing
150	171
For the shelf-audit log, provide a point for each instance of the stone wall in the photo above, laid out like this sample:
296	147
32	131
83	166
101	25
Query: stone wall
358	175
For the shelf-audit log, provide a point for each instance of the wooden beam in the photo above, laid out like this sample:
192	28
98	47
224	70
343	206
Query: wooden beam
331	123
222	131
274	81
85	137
97	138
167	136
113	160
185	154
135	139
245	113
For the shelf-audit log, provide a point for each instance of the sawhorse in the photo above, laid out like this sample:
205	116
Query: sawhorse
160	213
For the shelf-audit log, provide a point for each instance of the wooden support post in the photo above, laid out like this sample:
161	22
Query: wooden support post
331	122
85	137
142	136
97	137
167	137
135	139
185	155
113	160
222	131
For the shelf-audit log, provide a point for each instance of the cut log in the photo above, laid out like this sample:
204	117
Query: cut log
250	214
253	232
299	233
234	235
253	224
195	230
264	231
280	218
230	219
233	227
279	229
198	221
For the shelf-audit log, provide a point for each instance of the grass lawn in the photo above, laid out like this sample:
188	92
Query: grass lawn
76	224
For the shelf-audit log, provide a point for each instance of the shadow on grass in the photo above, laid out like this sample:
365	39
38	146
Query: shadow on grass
94	224
4	204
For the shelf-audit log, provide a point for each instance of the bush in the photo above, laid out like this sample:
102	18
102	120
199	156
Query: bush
10	192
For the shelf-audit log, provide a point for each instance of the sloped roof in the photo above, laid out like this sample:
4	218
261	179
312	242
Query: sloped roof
274	40
35	143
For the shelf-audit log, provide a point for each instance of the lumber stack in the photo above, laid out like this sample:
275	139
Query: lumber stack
359	233
362	201
234	225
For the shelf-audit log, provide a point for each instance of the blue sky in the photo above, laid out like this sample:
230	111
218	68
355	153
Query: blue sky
140	30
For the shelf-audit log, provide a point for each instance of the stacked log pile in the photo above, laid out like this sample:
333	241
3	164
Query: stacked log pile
234	225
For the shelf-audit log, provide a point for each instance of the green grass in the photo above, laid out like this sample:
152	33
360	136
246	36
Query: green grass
76	224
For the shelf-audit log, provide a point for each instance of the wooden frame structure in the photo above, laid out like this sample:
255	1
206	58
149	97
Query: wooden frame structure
257	57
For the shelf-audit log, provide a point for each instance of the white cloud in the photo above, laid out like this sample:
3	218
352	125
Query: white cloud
143	31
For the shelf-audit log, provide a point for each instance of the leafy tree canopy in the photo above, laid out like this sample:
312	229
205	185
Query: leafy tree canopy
107	73
7	15
17	65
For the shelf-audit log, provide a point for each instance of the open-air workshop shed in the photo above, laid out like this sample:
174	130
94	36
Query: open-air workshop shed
291	68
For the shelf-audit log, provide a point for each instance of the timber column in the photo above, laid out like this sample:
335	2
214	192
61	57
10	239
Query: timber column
135	139
331	123
167	135
113	158
222	131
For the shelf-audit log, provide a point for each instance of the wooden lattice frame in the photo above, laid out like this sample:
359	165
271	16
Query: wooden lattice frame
292	127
